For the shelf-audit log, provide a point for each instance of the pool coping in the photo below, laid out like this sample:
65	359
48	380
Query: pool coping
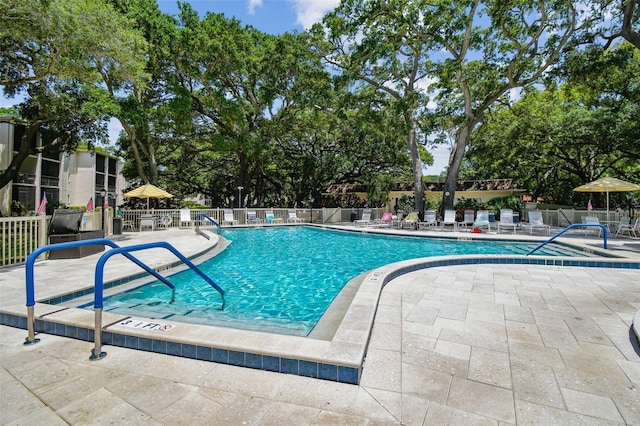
340	358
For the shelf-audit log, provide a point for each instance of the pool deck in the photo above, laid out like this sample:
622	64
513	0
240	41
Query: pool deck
464	344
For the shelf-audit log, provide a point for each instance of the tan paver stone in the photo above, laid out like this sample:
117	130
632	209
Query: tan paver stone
385	336
523	332
193	408
421	314
45	374
454	311
388	314
536	384
243	409
17	401
389	401
519	314
591	405
288	414
411	340
474	339
103	407
434	361
425	383
630	411
490	367
448	323
452	349
331	418
537	354
382	370
485	400
439	414
486	329
414	409
593	365
534	414
558	336
599	385
507	299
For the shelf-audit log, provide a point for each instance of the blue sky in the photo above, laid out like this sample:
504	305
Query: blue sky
269	16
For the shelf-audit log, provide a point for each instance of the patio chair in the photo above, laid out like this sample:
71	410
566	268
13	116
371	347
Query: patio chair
591	220
430	220
625	226
293	217
228	218
506	220
411	221
449	220
269	217
482	220
147	221
385	221
365	219
185	217
469	218
253	218
536	222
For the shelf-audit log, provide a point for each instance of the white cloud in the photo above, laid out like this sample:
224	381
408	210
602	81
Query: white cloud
311	11
253	5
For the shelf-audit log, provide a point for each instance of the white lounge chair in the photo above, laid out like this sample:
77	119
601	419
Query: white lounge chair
385	221
591	220
536	222
253	218
449	220
365	219
411	221
469	218
185	217
430	219
506	220
147	221
482	220
293	217
625	226
228	218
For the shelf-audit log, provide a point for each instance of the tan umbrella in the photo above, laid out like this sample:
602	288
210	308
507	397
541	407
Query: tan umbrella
148	191
608	184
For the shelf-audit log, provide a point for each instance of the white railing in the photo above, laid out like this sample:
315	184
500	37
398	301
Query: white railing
20	236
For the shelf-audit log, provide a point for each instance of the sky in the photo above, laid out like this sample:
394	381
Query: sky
269	16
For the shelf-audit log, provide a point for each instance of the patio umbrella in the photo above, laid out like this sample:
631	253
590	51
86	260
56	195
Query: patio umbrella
148	191
608	184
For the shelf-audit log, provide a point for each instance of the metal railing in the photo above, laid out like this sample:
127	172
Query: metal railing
575	225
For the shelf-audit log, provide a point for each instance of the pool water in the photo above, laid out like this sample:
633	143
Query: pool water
282	279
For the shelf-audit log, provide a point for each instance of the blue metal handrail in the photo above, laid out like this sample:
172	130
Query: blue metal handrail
204	216
575	225
96	352
30	274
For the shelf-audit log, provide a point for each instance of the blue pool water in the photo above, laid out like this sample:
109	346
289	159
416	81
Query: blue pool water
283	279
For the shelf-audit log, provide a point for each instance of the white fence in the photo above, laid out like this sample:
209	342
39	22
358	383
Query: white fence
21	236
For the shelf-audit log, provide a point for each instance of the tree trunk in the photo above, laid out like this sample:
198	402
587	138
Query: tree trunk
12	171
416	164
455	161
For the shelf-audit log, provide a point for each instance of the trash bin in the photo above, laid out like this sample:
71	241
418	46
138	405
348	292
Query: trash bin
117	226
354	216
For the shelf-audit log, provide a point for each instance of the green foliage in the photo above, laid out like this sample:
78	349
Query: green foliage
189	204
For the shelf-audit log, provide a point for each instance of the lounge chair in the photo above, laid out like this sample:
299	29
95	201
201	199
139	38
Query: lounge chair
185	217
365	219
269	217
385	221
536	222
411	221
228	218
482	220
430	220
469	218
625	226
253	218
449	220
506	220
293	217
147	221
591	220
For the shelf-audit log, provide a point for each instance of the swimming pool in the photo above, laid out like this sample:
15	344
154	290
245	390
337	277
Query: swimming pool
282	279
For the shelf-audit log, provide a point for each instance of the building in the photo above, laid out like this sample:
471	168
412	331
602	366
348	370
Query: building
66	179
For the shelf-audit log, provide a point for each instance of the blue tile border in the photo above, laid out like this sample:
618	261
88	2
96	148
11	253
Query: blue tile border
306	368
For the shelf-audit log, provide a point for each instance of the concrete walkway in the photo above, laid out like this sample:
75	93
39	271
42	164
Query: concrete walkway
471	344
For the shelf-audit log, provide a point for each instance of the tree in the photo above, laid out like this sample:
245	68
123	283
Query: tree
580	128
619	19
52	51
381	44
